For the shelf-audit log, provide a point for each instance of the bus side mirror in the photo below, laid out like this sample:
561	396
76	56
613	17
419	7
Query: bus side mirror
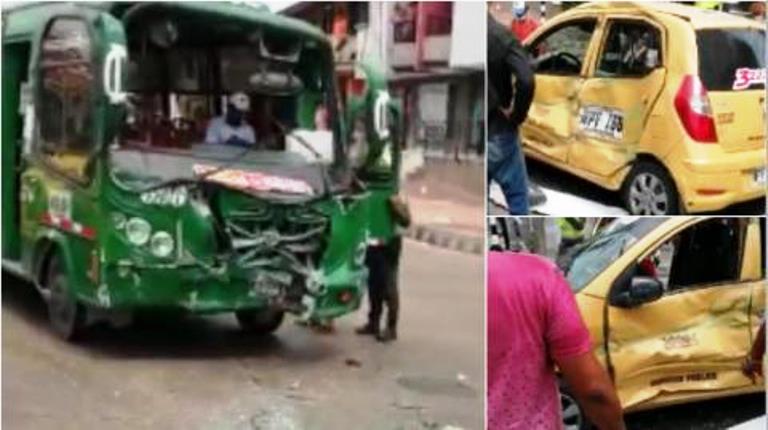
641	290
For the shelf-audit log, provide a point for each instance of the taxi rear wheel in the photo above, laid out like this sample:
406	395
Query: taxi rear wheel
259	321
649	190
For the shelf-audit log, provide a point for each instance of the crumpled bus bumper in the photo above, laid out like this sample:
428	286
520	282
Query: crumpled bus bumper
200	289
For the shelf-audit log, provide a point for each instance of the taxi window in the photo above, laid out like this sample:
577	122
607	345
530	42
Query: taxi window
731	59
706	254
632	49
562	50
605	248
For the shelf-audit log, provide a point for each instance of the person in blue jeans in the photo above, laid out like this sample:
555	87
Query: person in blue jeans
510	92
506	166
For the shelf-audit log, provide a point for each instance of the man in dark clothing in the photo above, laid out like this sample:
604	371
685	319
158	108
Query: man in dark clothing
510	92
383	261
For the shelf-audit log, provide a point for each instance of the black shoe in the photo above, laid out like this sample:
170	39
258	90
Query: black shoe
388	335
367	329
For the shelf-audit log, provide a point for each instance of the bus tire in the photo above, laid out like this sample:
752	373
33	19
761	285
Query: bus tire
259	321
67	316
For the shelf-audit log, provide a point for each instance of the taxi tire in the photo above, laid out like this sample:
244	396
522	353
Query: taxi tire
67	316
259	322
572	413
659	172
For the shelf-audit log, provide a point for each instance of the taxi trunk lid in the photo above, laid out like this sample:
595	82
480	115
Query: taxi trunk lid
732	69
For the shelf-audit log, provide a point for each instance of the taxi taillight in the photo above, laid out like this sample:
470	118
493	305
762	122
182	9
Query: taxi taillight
695	111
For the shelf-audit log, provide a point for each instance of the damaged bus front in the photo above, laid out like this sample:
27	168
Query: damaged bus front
124	201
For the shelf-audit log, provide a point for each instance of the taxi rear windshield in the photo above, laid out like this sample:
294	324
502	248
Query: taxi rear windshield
731	59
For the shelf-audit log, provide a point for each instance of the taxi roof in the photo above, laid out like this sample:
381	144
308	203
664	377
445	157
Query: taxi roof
697	17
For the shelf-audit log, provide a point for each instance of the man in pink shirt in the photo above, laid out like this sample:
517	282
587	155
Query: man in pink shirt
533	325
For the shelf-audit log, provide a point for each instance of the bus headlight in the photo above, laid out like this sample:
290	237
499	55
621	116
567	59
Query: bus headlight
161	244
137	230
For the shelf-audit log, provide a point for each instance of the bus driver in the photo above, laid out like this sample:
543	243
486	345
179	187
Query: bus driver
231	128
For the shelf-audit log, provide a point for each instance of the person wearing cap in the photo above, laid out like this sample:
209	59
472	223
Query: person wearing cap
231	128
522	24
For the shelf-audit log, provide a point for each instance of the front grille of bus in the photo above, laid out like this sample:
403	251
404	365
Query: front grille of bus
277	237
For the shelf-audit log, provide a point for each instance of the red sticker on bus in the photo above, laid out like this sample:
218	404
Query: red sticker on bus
253	180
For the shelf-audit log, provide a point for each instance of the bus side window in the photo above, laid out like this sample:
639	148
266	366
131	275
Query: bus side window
66	85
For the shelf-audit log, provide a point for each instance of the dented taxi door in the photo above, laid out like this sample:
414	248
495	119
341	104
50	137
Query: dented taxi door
615	102
690	341
548	127
559	59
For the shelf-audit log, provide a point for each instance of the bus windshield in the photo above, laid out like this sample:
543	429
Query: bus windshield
236	99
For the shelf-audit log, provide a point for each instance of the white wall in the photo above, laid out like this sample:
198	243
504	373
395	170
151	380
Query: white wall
468	35
378	31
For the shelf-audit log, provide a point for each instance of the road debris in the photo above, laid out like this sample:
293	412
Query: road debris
353	362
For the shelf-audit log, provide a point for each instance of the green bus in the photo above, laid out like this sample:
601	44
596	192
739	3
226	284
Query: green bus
113	201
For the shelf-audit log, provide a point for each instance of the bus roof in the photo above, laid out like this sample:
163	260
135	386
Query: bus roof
23	20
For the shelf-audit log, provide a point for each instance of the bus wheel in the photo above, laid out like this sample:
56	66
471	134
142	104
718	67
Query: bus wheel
66	315
259	321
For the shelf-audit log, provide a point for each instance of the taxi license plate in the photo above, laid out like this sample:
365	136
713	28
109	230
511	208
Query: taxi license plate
759	176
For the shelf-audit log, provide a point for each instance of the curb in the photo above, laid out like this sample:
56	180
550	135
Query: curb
446	239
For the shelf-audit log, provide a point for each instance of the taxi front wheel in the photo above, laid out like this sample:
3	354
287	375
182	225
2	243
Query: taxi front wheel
572	413
649	190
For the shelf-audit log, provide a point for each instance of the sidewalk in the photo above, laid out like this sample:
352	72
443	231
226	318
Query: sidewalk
447	204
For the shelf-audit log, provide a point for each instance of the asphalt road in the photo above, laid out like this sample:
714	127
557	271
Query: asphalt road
202	373
710	415
579	197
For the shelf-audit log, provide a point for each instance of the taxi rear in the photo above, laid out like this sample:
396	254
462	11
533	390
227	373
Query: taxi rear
718	96
664	103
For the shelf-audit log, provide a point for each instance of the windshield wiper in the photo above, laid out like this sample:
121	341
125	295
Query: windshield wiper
201	178
229	163
315	153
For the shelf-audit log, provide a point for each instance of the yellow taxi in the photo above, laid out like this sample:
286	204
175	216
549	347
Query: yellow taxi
673	305
662	102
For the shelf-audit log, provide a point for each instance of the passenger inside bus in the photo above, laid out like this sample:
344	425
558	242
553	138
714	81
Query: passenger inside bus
247	120
243	97
182	81
231	128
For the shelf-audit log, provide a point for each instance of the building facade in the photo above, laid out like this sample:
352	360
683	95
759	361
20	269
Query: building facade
433	61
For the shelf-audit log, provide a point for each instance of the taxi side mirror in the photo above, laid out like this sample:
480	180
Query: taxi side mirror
642	289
